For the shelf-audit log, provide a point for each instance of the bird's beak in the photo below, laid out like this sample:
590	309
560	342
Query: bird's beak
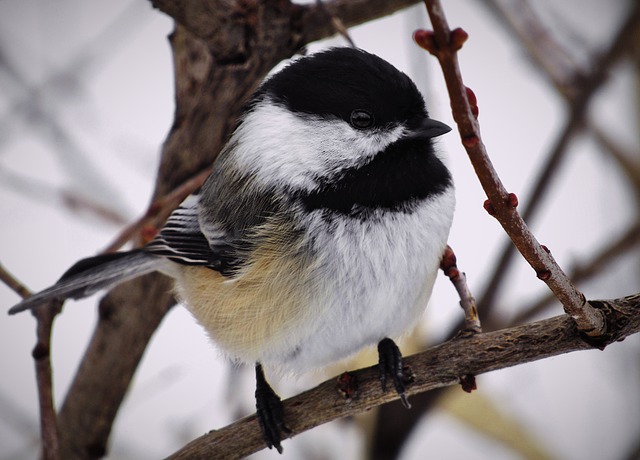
428	129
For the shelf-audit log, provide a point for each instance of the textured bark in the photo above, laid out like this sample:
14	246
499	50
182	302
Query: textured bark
128	317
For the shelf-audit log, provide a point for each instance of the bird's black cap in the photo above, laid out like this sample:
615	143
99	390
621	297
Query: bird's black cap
340	80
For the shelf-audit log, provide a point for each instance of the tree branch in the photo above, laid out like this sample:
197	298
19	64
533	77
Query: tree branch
577	89
629	240
42	359
128	317
559	66
444	44
434	368
226	26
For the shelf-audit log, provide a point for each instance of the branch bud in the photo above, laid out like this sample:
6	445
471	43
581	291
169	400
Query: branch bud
473	101
425	39
458	37
488	206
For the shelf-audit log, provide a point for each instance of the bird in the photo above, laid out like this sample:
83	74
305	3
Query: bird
318	233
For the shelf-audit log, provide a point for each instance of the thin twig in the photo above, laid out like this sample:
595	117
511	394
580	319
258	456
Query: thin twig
444	44
459	280
337	24
147	226
578	100
582	272
628	162
549	56
13	283
42	358
73	201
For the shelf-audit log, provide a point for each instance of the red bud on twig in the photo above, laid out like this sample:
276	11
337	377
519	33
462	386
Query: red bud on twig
473	101
425	39
544	275
458	37
489	207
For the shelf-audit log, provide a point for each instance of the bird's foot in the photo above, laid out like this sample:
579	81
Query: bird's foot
390	361
269	412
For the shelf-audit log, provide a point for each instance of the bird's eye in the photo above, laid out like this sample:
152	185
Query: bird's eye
361	119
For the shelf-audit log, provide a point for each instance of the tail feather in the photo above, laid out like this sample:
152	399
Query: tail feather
93	274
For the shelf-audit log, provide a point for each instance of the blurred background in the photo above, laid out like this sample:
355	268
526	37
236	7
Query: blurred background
86	100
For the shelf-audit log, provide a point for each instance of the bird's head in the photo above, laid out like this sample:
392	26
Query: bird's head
331	111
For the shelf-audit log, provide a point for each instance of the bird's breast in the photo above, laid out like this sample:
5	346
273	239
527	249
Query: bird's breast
340	284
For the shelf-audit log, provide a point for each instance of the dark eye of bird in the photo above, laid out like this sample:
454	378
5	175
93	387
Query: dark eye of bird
361	119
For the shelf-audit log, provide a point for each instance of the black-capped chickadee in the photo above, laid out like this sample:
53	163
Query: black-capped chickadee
319	232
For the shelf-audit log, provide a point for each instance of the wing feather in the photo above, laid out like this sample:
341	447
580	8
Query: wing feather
182	240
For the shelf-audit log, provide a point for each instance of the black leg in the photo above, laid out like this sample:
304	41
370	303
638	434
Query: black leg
390	361
269	411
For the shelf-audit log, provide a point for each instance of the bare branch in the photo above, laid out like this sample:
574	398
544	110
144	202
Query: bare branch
42	358
444	44
73	201
555	62
534	36
584	271
15	285
338	26
157	213
435	368
628	161
459	280
128	317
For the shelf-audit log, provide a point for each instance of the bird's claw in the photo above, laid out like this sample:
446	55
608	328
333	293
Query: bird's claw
390	361
269	412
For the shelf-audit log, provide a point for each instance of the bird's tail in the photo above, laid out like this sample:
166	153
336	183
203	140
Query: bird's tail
92	274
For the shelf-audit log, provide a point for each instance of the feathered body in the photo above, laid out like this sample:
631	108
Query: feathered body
321	227
300	305
336	243
319	231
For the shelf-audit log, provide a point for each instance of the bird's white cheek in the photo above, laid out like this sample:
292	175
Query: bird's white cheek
285	149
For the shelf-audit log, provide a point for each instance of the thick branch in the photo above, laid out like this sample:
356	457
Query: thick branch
437	367
227	27
128	317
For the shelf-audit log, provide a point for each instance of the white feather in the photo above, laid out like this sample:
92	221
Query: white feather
377	275
316	147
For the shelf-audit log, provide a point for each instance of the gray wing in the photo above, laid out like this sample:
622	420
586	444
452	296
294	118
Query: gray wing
181	239
215	227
